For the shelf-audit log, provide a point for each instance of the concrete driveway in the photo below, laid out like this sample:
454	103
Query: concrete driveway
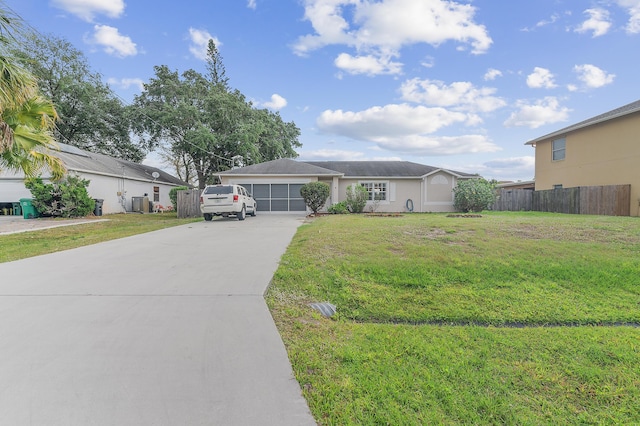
164	328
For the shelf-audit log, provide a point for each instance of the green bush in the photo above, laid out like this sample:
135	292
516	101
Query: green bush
357	196
173	194
339	208
67	197
473	195
315	194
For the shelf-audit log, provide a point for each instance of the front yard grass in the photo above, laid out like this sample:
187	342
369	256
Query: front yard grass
43	241
510	318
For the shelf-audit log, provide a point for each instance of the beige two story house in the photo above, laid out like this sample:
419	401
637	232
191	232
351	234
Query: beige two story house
603	150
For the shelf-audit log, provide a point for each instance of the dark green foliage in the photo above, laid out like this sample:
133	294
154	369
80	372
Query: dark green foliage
91	116
357	197
206	124
473	195
315	194
173	194
64	198
339	208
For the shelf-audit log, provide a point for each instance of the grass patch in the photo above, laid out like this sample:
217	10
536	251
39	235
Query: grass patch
382	360
34	243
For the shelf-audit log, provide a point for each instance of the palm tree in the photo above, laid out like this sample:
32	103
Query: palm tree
26	118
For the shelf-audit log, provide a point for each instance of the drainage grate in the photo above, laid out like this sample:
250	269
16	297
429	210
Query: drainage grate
325	308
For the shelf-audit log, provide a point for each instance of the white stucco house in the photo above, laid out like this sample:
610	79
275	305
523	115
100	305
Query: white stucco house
121	184
399	186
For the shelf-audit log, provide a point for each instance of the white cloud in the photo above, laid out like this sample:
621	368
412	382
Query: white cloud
251	4
460	95
543	111
405	129
593	77
331	154
512	168
126	83
88	9
112	41
439	145
382	28
369	65
492	74
540	78
599	22
633	9
388	121
277	102
200	43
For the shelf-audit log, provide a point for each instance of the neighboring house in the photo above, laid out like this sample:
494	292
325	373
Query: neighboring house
603	150
393	186
113	180
521	184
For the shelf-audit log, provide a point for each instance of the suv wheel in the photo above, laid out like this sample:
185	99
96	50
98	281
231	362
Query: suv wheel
242	214
208	216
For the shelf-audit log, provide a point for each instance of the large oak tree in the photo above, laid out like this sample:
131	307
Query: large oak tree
201	119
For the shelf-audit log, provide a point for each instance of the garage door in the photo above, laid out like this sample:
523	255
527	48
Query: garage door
277	197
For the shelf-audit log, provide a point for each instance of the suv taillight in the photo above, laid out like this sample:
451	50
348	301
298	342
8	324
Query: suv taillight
201	200
235	198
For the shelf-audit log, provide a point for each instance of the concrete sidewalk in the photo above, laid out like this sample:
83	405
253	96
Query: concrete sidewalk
164	328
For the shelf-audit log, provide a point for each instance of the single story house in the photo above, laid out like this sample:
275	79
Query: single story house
602	150
122	185
393	186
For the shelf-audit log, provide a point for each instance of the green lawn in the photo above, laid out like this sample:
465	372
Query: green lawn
510	318
34	243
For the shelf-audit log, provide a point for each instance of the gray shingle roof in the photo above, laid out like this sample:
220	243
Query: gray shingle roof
282	166
287	166
380	168
80	160
618	112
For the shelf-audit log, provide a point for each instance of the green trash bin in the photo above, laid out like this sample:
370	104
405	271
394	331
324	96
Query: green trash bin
17	210
28	209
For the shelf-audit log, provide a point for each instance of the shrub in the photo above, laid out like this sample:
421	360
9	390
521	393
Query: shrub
315	194
67	197
173	194
357	196
473	195
339	208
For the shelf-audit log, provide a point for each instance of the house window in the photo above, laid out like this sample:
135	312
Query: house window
156	194
558	186
558	149
377	190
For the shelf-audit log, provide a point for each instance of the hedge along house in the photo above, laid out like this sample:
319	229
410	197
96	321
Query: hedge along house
393	186
121	184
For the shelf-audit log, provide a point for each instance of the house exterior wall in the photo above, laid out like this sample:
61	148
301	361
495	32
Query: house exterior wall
602	154
398	191
100	186
108	187
438	195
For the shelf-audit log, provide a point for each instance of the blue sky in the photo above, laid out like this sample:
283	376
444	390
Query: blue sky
455	84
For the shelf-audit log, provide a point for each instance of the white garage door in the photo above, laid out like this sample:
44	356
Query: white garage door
277	197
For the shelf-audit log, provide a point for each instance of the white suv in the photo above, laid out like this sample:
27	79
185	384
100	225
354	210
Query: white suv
225	200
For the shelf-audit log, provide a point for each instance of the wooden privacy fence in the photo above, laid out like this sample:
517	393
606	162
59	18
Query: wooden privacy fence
610	200
188	203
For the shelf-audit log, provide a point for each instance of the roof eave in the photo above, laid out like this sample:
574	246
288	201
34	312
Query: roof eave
575	127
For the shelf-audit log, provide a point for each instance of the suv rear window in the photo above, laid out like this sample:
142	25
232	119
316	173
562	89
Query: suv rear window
218	190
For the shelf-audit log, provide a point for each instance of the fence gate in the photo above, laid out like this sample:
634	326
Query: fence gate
188	203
